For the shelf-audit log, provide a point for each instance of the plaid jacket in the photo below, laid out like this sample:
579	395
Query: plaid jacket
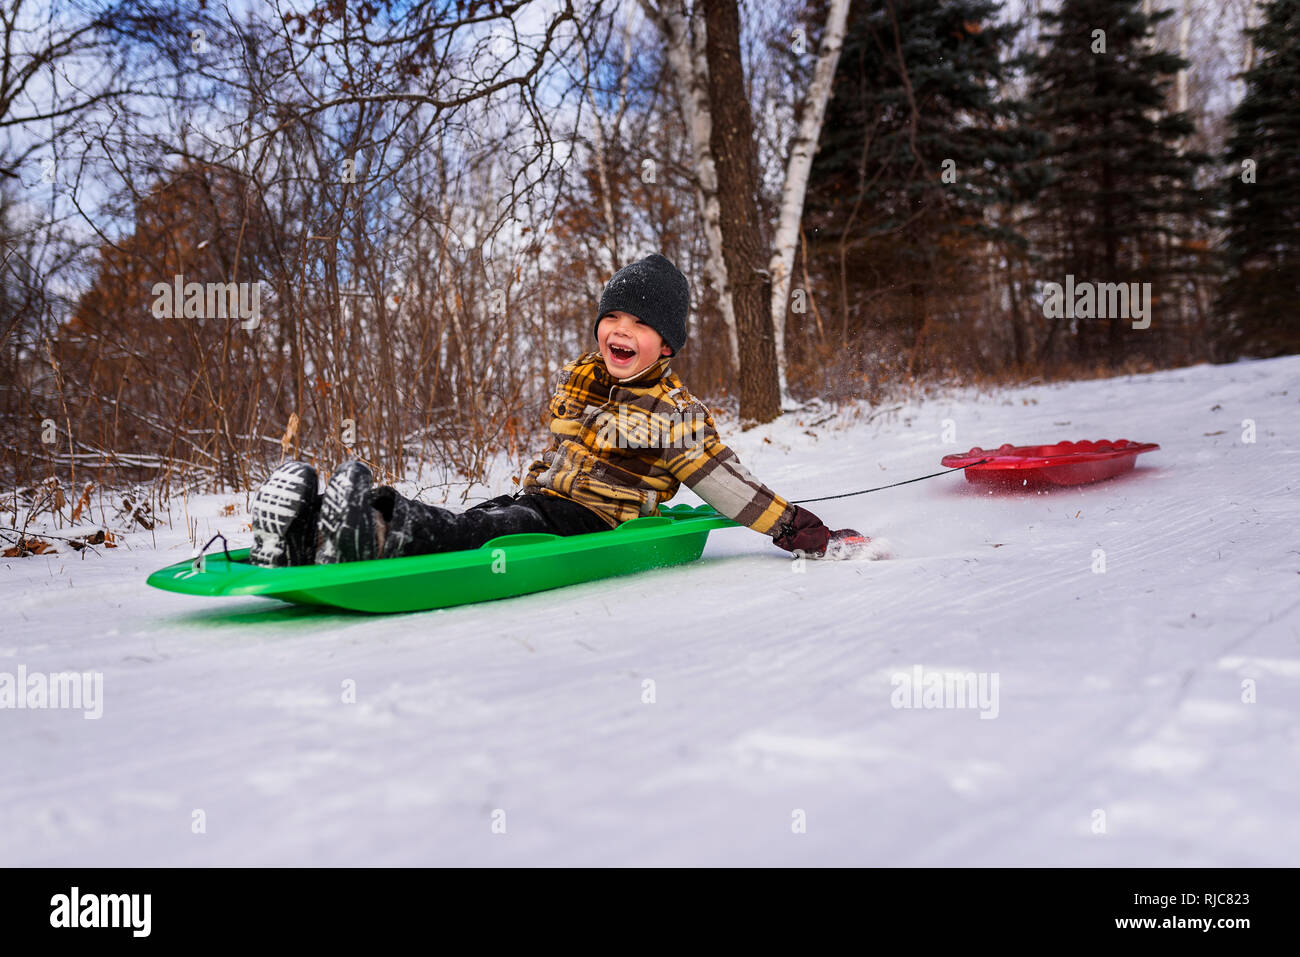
623	447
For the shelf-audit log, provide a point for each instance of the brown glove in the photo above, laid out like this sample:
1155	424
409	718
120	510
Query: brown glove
805	532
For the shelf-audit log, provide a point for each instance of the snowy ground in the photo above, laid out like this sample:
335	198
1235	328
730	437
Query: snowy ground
1145	715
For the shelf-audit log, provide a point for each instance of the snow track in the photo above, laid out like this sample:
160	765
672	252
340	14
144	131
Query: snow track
1145	715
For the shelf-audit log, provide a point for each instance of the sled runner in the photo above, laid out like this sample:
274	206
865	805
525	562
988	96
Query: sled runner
505	566
1039	466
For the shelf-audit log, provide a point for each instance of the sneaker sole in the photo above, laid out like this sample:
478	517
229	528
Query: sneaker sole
280	507
347	527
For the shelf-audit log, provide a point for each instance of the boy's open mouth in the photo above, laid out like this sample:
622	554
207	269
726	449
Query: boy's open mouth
620	354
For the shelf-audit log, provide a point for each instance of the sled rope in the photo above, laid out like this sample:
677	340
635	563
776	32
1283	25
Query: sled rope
827	498
224	547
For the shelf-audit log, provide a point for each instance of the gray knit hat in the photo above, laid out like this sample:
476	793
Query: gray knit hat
653	290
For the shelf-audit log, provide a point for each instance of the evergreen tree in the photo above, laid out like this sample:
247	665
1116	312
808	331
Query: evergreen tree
917	148
1120	197
1263	242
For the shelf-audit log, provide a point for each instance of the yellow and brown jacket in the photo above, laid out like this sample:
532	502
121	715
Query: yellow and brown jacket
622	447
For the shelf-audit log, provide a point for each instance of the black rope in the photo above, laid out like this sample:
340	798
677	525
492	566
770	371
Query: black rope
826	498
223	546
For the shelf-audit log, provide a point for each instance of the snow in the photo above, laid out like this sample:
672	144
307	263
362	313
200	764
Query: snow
1145	715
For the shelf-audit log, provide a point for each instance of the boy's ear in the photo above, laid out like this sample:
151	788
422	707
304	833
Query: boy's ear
665	350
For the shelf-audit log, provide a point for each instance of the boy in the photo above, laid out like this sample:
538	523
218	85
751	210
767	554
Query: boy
625	434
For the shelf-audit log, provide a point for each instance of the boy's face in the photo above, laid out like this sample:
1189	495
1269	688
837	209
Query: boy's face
628	345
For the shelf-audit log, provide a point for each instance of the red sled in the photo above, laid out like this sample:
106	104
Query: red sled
1038	466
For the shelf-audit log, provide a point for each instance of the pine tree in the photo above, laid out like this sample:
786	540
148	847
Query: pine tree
1120	197
910	163
1263	202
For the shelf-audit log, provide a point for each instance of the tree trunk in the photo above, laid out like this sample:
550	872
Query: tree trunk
802	148
1114	331
1184	23
732	144
684	41
1018	340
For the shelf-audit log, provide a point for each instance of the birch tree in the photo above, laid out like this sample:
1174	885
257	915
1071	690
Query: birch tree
684	38
802	148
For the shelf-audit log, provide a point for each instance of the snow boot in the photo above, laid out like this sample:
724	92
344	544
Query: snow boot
347	521
398	527
284	517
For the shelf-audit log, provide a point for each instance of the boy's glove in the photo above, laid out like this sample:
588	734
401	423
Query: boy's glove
808	534
805	532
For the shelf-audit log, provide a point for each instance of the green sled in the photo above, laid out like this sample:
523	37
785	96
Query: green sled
506	566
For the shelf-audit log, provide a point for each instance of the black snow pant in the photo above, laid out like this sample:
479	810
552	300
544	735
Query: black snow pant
418	529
